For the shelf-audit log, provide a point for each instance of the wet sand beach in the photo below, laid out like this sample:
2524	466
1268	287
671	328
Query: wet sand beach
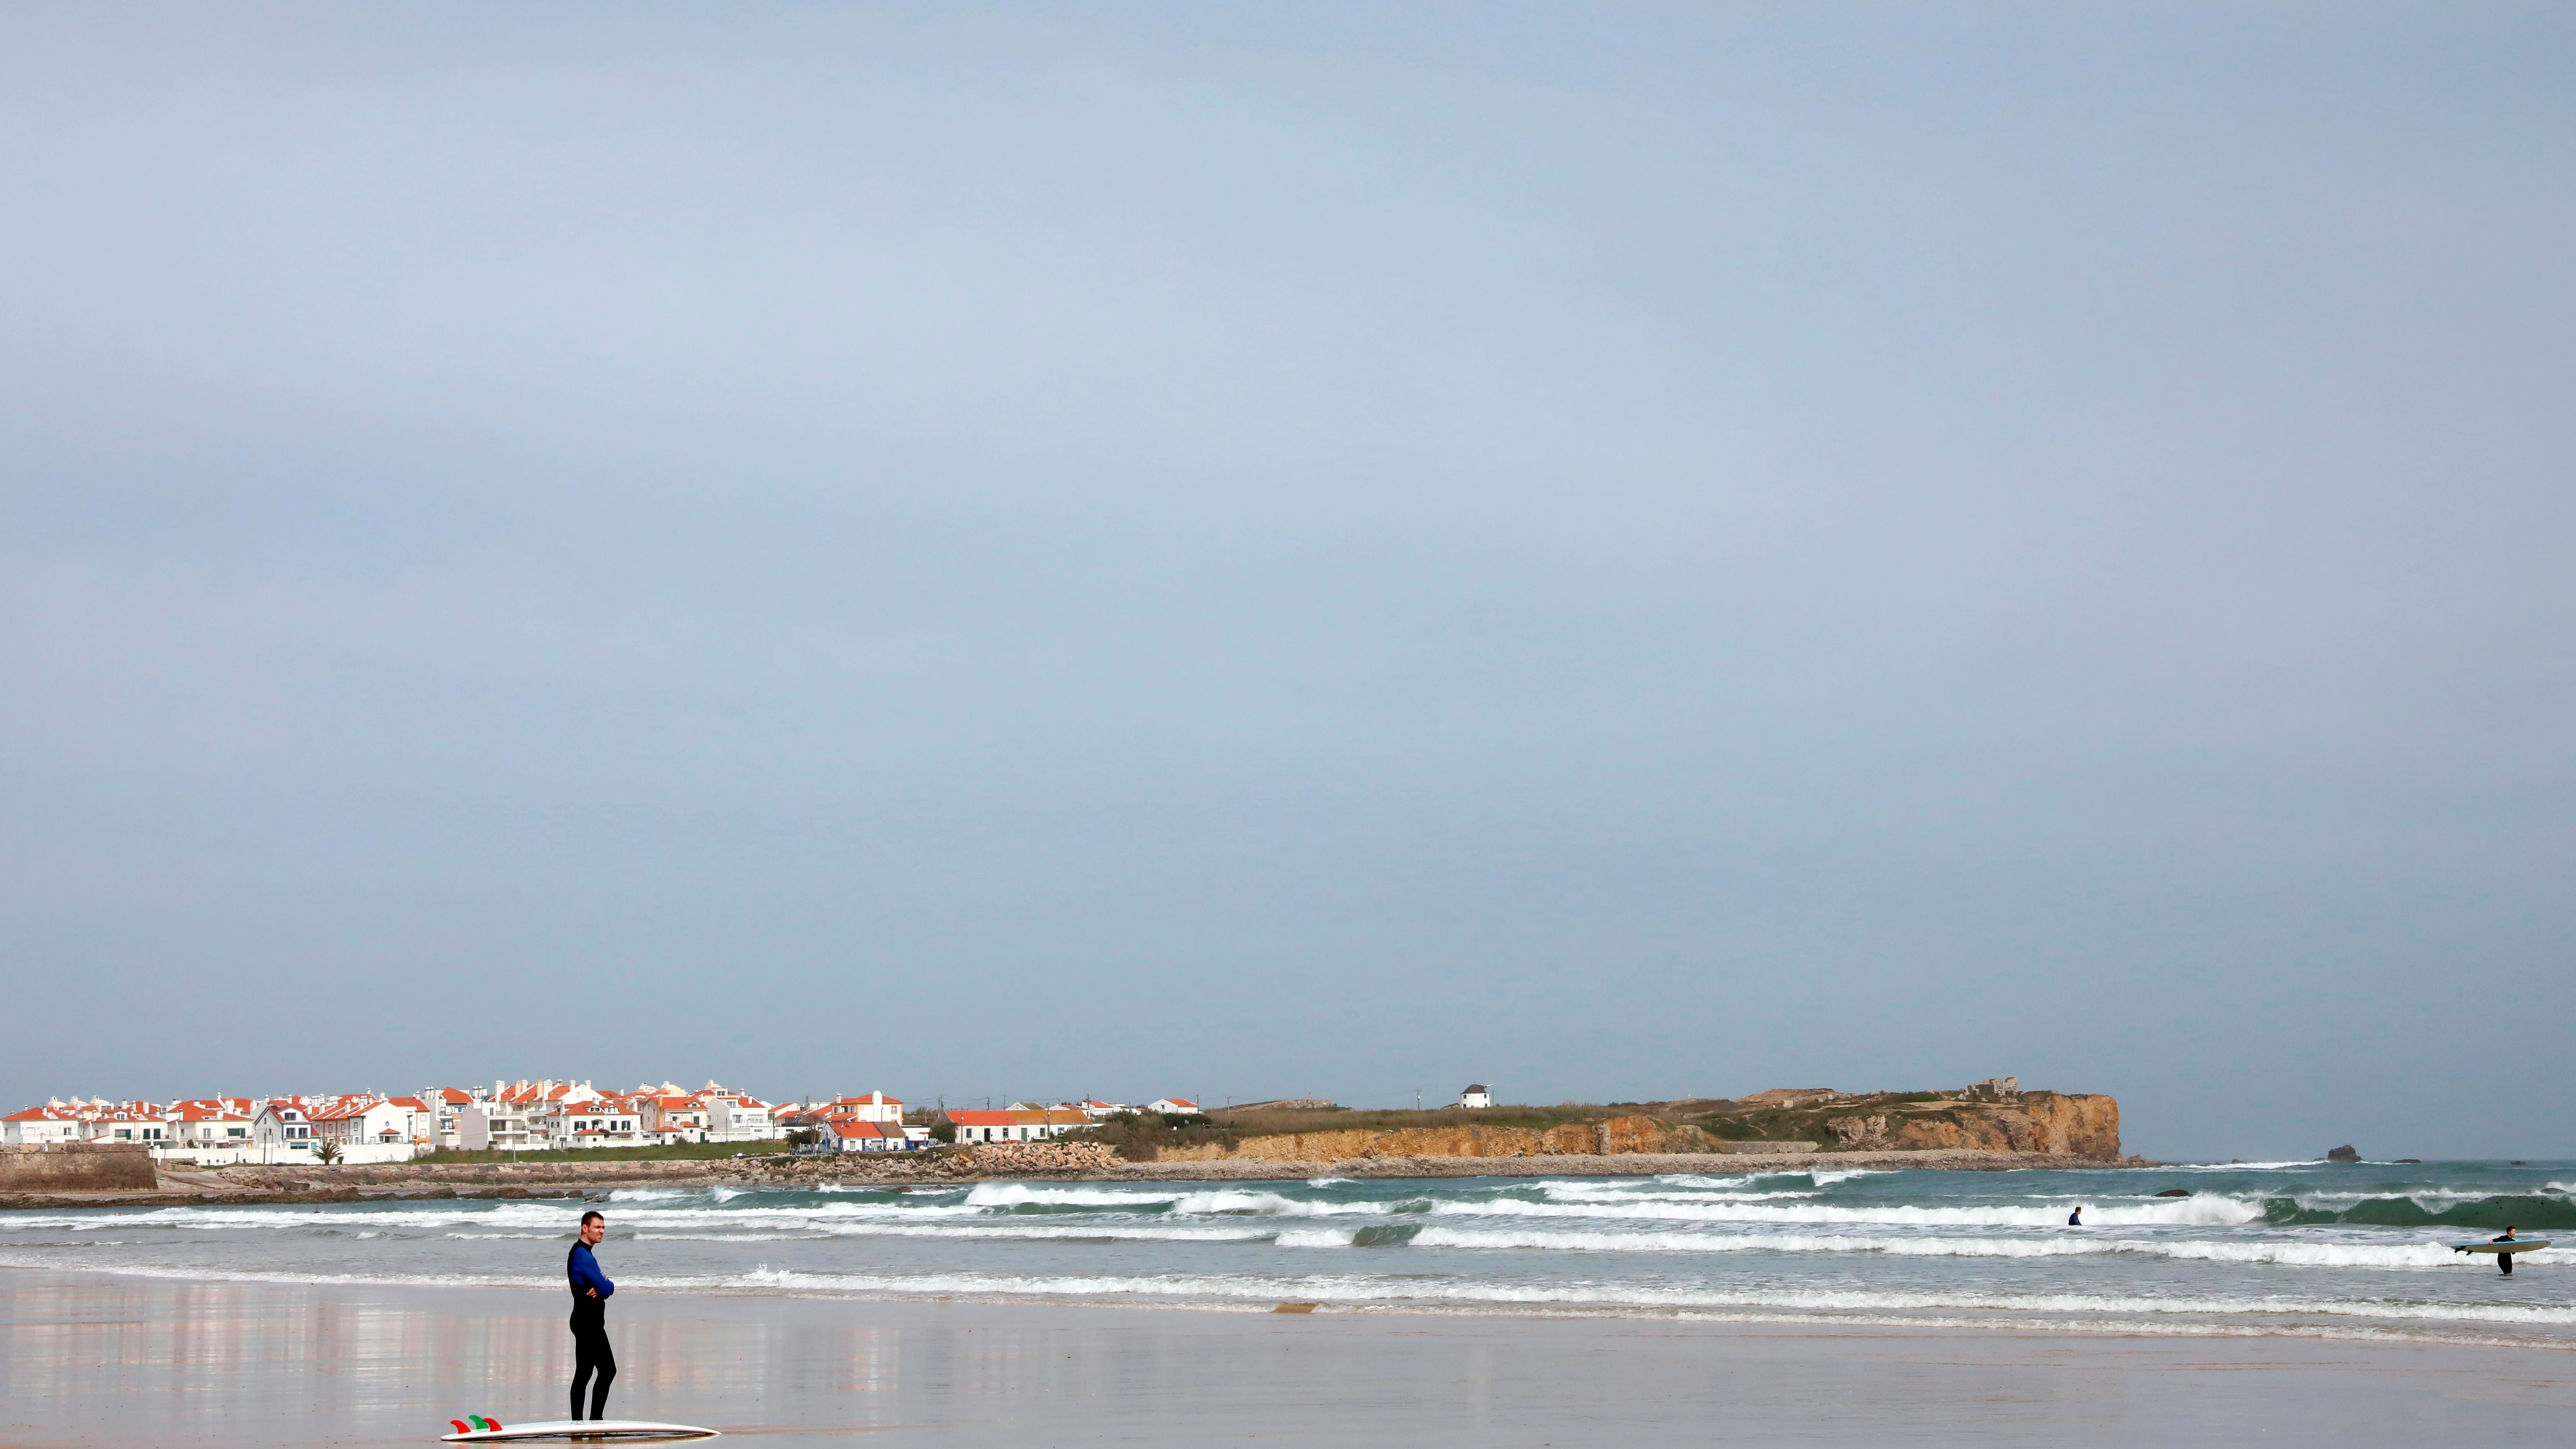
98	1360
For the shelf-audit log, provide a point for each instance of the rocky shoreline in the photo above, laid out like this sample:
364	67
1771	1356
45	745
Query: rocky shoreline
1059	1162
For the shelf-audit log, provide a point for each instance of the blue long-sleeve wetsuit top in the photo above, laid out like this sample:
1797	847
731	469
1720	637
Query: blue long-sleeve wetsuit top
583	1270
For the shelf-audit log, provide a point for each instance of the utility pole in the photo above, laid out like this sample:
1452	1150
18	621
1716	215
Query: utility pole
1417	1099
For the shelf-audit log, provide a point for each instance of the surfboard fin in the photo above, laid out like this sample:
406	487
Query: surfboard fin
460	1426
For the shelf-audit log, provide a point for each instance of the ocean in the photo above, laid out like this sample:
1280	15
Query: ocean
2257	1248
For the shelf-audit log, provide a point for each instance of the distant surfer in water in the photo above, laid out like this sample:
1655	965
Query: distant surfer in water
2075	1219
590	1292
2505	1260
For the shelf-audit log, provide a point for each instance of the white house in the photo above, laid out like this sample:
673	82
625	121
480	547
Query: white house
674	1117
446	1106
737	1116
1174	1107
874	1107
281	1126
139	1122
365	1121
51	1123
1028	1124
1476	1095
210	1130
609	1122
850	1134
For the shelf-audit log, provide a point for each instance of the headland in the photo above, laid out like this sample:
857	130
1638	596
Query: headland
1986	1128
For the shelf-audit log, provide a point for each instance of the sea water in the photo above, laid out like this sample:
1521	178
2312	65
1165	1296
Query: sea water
2296	1248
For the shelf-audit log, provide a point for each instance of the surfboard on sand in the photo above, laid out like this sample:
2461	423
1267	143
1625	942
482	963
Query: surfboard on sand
2518	1245
579	1431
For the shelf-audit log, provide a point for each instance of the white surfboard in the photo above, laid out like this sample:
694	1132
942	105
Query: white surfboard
580	1431
2510	1245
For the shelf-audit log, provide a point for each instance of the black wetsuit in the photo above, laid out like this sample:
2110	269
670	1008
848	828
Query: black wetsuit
590	1351
2504	1260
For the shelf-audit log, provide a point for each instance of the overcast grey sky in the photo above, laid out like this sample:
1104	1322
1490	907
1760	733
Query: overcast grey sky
1621	552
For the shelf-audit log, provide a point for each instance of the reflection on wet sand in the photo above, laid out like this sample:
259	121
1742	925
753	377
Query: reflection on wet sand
95	1360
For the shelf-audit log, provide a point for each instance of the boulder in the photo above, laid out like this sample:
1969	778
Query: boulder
2345	1153
2175	1192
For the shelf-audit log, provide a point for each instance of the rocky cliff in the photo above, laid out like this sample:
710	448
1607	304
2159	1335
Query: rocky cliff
2080	1125
2053	1124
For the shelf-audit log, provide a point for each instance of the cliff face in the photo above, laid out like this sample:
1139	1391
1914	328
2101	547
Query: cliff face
2055	1123
2081	1125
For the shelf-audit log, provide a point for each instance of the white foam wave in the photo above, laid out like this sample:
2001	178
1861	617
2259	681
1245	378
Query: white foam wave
2177	1312
720	1237
1043	1231
1020	1194
1366	1290
2203	1210
2300	1254
1317	1237
2241	1166
499	1237
1272	1204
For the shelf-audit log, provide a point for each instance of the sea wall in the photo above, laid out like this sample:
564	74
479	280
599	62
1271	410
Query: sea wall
70	1168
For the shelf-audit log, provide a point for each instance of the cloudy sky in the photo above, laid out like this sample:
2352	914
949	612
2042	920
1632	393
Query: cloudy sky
1240	551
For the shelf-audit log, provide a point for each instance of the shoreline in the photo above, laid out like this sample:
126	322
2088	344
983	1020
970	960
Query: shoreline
309	1364
402	1182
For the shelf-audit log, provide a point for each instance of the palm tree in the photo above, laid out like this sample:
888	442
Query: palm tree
327	1154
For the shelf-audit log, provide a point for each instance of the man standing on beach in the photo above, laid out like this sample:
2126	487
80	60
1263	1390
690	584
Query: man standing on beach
590	1293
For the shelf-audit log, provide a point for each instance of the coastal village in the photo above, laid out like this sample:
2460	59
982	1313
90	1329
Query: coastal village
541	1115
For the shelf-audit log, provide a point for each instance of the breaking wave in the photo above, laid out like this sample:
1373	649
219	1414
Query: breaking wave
2541	1213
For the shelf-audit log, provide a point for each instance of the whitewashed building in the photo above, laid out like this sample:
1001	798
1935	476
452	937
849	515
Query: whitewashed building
51	1123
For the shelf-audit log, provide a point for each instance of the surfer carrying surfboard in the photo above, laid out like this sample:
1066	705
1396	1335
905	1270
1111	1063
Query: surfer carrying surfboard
2505	1260
590	1293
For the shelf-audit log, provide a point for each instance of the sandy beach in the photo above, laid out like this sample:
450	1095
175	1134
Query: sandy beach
96	1360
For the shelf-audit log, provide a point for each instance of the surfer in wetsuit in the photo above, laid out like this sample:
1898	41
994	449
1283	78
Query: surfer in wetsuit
590	1292
2075	1219
2505	1260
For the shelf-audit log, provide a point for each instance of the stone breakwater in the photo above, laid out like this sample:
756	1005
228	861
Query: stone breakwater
1018	1159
